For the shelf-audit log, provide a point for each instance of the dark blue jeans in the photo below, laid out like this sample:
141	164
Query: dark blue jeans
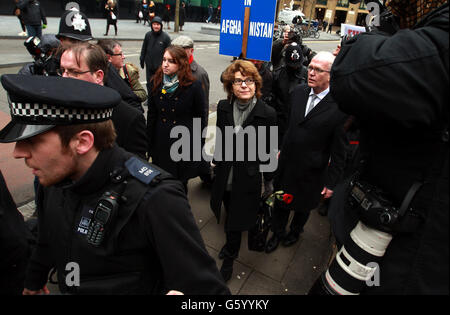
34	30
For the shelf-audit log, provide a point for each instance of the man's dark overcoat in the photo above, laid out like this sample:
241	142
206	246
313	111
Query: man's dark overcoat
309	145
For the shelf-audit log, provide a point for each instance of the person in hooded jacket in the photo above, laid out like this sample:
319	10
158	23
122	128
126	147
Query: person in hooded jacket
153	47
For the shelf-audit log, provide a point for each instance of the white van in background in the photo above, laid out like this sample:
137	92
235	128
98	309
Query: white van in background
287	16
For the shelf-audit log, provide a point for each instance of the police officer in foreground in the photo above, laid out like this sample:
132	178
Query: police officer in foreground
396	85
124	224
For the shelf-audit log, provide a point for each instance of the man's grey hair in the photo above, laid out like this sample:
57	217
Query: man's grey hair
108	45
325	56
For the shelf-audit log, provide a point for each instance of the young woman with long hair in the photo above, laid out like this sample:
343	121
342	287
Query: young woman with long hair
176	99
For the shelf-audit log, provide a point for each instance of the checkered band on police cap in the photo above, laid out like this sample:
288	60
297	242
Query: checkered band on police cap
36	111
40	100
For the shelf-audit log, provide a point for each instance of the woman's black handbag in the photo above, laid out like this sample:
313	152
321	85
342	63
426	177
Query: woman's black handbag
257	235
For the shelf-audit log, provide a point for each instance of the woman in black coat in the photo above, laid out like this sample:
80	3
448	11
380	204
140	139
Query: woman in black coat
238	180
112	13
182	15
176	100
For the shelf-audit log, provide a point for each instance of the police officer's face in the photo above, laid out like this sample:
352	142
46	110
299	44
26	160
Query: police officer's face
318	75
169	65
47	158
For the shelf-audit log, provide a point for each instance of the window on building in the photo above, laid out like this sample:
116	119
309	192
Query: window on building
342	3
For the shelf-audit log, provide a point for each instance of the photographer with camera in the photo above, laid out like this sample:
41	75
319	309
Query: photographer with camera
394	80
43	52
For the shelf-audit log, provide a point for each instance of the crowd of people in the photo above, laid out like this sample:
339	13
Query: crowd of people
112	197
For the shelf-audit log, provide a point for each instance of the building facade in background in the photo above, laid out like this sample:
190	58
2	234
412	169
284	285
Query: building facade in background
337	11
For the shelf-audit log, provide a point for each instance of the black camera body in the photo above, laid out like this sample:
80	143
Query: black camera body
373	206
44	62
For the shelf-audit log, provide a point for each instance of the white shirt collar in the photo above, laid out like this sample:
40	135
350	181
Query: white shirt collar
322	94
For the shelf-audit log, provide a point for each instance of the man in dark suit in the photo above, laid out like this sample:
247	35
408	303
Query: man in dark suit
312	154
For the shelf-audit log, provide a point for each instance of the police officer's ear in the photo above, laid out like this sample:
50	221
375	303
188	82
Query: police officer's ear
83	142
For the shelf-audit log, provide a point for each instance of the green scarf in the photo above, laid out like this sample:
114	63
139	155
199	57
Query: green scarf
170	83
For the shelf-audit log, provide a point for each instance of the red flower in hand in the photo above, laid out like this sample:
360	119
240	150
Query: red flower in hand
287	198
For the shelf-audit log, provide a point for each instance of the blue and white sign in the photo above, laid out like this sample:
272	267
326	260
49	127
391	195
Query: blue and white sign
260	30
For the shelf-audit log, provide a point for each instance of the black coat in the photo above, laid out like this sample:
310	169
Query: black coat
31	12
152	50
153	243
109	12
246	184
166	111
182	17
309	144
131	129
14	249
398	88
285	80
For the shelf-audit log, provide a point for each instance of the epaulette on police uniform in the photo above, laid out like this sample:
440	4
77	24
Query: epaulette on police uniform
145	172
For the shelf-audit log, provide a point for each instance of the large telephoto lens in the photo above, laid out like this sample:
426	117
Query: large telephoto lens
355	263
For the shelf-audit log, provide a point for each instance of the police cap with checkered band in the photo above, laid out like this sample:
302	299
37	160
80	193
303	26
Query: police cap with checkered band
39	103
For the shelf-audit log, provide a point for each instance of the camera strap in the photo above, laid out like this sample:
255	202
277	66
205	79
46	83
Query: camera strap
436	164
409	197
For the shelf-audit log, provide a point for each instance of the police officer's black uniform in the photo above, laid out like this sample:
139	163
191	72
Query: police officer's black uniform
149	249
151	243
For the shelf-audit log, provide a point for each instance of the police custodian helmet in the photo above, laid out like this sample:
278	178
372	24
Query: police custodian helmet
39	103
74	24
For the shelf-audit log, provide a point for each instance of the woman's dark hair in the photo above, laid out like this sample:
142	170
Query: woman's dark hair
246	68
185	77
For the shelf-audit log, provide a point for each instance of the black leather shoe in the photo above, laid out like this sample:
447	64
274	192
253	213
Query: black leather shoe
272	243
322	209
227	269
291	238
